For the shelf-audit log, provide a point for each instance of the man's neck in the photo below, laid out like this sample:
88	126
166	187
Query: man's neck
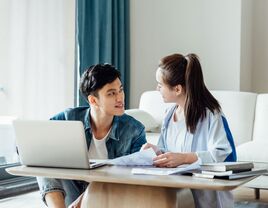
100	122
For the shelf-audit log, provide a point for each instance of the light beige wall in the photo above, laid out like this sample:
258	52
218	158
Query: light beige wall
260	47
246	45
210	28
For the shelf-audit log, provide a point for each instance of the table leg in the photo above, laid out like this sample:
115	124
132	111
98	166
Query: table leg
257	193
112	195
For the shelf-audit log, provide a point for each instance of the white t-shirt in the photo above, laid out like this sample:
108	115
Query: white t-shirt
176	134
97	148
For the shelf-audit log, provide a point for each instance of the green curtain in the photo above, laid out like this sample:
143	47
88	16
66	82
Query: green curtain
102	36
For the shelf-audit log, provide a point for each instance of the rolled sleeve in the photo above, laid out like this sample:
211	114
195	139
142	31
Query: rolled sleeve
47	185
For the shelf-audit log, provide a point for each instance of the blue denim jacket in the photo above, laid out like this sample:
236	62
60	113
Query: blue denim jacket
126	136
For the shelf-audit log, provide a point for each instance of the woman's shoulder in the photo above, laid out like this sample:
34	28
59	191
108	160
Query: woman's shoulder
214	115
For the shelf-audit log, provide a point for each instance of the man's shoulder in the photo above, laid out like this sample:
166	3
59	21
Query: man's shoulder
76	113
130	121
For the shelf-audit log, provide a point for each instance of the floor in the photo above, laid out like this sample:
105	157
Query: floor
245	197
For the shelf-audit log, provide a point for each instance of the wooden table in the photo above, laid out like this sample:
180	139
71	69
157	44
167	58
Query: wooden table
115	186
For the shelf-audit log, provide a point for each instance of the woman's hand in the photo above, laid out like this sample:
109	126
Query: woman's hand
77	202
155	148
171	159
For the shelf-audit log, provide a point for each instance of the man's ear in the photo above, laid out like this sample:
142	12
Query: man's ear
92	100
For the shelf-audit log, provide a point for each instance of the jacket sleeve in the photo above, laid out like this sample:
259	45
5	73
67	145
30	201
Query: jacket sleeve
139	141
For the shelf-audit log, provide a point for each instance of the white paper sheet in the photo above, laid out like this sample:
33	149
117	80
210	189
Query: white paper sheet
144	157
166	171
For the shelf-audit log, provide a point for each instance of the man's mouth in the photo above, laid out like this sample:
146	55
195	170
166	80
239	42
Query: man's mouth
120	105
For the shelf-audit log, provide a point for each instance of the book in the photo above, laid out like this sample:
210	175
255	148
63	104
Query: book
232	176
182	169
217	173
226	166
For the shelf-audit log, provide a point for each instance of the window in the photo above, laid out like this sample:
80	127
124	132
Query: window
36	69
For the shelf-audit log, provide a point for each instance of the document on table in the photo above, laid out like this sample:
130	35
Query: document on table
144	157
166	171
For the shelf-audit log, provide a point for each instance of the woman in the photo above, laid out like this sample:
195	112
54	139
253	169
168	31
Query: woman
194	128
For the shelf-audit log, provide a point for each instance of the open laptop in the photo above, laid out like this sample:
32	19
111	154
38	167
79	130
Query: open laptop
60	144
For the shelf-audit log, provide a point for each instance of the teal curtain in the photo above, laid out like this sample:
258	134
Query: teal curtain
102	36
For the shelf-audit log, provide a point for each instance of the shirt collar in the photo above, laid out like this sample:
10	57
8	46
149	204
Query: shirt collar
113	133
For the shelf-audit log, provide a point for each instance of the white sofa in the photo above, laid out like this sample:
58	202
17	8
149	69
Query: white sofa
247	114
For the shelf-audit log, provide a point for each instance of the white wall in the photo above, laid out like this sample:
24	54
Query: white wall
4	33
209	28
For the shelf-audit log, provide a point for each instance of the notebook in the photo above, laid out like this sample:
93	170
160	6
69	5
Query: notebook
229	175
225	166
60	144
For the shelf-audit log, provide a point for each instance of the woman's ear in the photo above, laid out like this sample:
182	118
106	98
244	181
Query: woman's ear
178	89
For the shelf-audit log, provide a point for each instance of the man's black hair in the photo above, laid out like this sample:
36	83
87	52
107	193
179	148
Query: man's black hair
95	77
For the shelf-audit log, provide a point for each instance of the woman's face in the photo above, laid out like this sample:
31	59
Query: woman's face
169	94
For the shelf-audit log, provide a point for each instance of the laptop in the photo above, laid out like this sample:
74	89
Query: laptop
60	144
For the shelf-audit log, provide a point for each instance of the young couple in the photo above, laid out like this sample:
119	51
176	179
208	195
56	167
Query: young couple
193	129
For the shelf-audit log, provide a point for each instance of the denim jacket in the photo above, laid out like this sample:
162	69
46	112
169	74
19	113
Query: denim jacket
126	136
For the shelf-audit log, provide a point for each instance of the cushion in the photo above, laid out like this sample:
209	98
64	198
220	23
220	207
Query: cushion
145	118
252	151
261	114
152	137
239	109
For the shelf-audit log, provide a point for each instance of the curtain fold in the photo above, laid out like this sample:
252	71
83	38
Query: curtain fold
102	36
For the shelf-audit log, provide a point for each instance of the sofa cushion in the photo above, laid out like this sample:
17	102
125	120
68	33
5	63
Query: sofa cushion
261	115
152	137
145	118
152	102
239	109
252	151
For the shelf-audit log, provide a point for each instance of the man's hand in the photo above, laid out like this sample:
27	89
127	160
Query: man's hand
171	159
77	202
155	148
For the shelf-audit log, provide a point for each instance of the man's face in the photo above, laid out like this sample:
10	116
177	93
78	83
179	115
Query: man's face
110	98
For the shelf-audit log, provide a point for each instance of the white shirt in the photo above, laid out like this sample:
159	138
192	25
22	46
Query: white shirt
97	148
176	134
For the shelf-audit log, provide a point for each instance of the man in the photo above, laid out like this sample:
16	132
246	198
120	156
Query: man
109	132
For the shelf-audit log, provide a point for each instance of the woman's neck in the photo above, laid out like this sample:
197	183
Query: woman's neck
179	113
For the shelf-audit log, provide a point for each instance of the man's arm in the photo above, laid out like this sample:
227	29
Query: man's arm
139	141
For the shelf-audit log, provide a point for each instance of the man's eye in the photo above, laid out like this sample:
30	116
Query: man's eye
111	93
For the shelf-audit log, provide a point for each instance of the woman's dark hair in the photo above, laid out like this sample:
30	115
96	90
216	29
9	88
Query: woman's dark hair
95	77
186	71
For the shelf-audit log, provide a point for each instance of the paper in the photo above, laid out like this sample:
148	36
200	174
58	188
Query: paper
144	157
166	171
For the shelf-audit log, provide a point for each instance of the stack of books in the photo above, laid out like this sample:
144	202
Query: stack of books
229	170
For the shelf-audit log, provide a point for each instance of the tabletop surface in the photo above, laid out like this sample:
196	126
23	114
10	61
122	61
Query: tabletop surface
123	175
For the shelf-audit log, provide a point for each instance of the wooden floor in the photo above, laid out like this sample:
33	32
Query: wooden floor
32	200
